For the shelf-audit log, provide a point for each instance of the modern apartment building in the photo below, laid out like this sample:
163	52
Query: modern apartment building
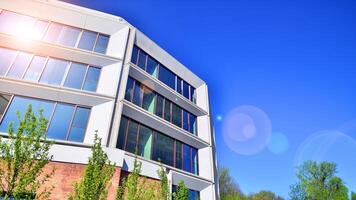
95	72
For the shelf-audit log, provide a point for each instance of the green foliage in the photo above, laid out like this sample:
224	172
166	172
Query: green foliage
24	155
98	173
165	194
265	195
182	192
353	196
229	190
318	182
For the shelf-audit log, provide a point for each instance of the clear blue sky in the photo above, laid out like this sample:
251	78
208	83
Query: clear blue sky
295	60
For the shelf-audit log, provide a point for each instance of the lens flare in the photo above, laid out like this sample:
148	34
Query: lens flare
246	130
278	143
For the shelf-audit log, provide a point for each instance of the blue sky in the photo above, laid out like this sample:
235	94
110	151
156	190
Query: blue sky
293	60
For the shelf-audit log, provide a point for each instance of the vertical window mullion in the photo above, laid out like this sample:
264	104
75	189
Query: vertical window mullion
85	77
174	153
133	91
71	121
28	66
141	95
69	65
126	132
96	40
7	107
12	63
43	68
78	39
137	137
146	60
191	159
51	116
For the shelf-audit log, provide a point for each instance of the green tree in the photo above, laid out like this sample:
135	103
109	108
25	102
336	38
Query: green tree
318	182
98	173
182	192
24	154
165	194
229	190
353	196
264	195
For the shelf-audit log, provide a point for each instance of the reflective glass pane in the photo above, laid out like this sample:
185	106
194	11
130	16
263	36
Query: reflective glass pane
34	70
39	29
185	89
4	101
142	60
69	36
21	104
186	158
92	78
8	21
79	124
177	115
145	142
75	75
185	120
167	77
179	155
16	24
159	106
192	94
129	89
53	32
101	44
87	40
134	55
6	58
132	137
179	85
122	133
152	66
54	71
194	161
60	122
148	100
192	124
20	64
137	94
163	149
167	110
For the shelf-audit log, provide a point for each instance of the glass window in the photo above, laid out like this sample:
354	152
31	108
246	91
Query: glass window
192	94
167	110
163	149
179	155
60	122
101	44
4	101
129	88
75	75
53	32
192	124
186	158
194	195
20	64
39	29
148	100
132	137
134	55
145	142
185	120
54	71
137	94
152	66
34	70
122	133
167	77
177	115
15	24
21	104
142	60
6	58
159	106
194	161
69	36
79	124
185	89
87	40
92	78
179	85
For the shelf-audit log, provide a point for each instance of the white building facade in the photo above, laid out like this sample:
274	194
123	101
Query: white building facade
94	72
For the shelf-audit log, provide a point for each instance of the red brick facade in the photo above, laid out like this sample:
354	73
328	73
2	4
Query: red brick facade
67	173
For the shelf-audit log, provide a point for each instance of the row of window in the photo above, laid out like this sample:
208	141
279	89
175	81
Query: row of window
156	69
26	66
32	28
193	194
65	121
146	142
146	98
